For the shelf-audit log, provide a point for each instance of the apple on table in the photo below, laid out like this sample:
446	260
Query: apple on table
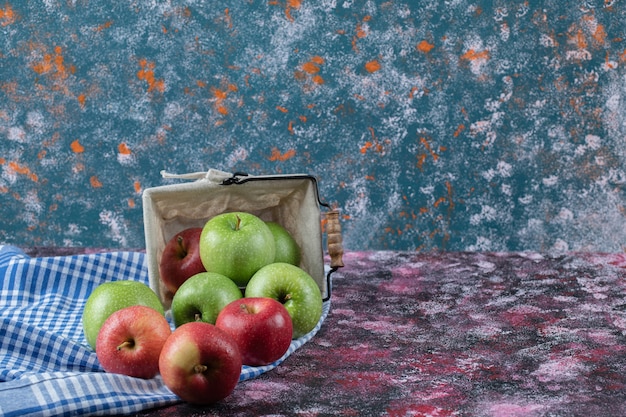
261	327
180	259
130	341
200	363
236	244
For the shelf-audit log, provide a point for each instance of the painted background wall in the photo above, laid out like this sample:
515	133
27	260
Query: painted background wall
456	125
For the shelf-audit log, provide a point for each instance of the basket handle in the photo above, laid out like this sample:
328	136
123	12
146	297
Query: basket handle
334	239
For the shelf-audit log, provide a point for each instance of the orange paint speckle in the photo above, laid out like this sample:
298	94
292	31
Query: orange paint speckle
81	100
131	202
282	109
372	144
420	160
292	5
578	39
220	95
372	66
123	149
310	68
7	15
104	26
137	187
23	170
53	64
43	66
308	72
472	55
425	46
429	149
146	73
360	32
76	147
599	35
439	201
95	182
228	19
317	79
458	130
608	63
277	156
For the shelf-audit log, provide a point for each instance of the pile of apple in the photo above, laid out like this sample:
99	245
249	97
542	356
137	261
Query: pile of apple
216	328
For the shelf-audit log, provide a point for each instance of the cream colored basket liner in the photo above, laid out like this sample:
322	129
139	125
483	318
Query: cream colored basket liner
291	200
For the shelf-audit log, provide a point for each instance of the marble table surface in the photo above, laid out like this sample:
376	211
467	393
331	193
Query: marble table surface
454	334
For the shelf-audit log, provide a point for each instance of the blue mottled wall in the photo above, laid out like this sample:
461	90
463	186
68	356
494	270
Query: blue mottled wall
458	125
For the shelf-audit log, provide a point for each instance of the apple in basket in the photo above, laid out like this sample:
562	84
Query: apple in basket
287	249
111	296
261	327
202	297
130	341
181	258
200	363
236	244
294	288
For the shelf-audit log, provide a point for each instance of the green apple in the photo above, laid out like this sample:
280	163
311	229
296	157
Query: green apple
294	288
287	249
202	297
111	296
236	244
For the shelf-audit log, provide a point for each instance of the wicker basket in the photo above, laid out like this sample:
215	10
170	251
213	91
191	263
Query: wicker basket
291	200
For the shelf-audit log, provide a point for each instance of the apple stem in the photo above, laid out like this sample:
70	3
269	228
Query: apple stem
200	368
181	248
238	224
198	317
126	344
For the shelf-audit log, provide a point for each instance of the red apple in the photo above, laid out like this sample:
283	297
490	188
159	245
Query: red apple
200	363
181	258
261	326
130	341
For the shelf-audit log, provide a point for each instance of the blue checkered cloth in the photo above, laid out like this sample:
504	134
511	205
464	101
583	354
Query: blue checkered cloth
46	365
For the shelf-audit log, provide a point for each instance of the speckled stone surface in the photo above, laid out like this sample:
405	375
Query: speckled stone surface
455	334
455	125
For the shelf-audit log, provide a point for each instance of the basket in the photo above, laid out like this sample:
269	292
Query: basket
290	200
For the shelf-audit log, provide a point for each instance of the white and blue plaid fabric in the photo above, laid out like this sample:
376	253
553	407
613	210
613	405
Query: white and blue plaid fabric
46	366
